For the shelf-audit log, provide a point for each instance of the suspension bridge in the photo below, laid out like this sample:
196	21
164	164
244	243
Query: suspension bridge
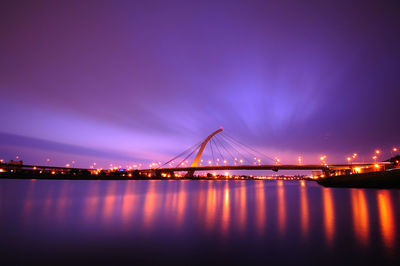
223	153
223	148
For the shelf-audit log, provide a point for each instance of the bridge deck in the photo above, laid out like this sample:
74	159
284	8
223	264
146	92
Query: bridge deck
265	167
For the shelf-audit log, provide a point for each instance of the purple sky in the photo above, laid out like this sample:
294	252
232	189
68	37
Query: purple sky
128	81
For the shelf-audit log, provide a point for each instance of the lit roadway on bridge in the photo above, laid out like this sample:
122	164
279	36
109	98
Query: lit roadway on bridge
274	167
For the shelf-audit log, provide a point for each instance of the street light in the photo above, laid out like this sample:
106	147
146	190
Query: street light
323	159
300	159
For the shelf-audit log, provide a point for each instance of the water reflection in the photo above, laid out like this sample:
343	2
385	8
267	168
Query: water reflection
281	207
109	203
150	205
181	203
265	210
28	203
260	208
225	221
329	215
62	201
386	218
242	204
129	205
360	215
304	210
211	206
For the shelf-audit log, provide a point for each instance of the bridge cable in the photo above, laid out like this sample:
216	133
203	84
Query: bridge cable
233	139
182	153
233	144
212	153
190	154
248	156
222	157
223	146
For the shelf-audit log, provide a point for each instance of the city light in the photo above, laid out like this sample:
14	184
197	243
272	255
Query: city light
323	159
377	151
300	159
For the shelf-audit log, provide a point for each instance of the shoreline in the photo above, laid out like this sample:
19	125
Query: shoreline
382	179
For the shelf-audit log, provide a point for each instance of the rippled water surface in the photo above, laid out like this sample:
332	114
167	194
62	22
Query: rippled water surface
196	222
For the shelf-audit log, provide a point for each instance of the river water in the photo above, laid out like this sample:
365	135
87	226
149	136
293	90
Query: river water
196	222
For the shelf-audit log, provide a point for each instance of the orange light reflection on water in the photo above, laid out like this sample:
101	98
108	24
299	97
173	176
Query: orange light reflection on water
181	203
360	215
386	218
304	209
242	205
149	206
260	207
92	202
129	204
211	205
225	222
109	200
281	207
329	215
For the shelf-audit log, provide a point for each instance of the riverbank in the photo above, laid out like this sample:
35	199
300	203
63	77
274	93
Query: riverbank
382	179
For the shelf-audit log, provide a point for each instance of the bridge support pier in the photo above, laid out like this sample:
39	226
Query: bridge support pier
156	173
